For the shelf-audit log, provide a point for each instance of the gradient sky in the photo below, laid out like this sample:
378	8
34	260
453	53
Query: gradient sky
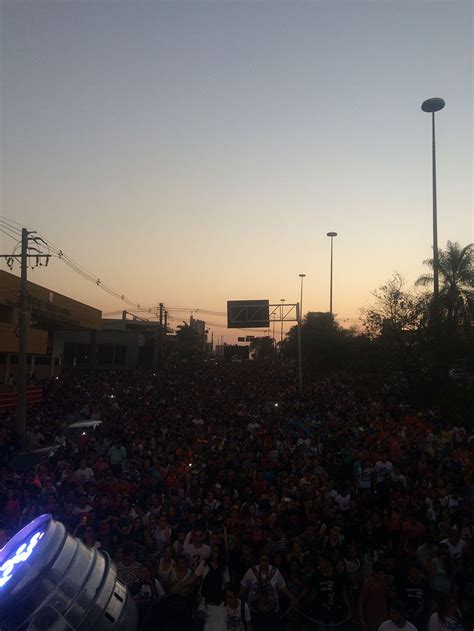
195	152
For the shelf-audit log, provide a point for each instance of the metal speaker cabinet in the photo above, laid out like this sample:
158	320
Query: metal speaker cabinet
51	581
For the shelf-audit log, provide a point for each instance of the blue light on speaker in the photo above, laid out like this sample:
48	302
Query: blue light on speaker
23	552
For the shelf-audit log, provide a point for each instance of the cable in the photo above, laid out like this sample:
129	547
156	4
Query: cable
5	224
6	232
10	227
13	222
89	276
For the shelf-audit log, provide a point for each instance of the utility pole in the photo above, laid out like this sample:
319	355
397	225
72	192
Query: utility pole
160	344
27	252
165	332
20	424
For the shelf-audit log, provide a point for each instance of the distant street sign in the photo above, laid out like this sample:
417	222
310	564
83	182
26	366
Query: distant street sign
248	314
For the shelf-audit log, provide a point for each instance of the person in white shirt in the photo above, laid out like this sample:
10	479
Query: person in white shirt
364	476
147	592
397	621
456	546
382	467
84	474
451	501
270	577
426	553
196	551
343	500
82	506
238	616
447	616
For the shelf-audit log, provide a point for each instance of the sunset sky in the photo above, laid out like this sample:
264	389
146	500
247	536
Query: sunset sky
195	152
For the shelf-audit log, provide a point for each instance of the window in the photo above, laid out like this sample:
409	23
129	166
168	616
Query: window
82	353
120	357
105	353
6	314
69	353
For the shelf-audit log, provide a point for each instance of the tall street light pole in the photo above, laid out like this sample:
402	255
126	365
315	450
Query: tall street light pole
302	276
300	356
431	106
331	235
299	318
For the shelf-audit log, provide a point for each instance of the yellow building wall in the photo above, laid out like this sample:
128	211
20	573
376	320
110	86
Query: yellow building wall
37	340
59	311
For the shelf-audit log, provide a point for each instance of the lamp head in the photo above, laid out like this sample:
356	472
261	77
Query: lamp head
433	105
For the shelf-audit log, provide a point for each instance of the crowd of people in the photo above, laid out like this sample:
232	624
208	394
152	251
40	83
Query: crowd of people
230	502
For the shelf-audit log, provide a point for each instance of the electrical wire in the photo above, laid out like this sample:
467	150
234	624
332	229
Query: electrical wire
90	276
13	223
6	232
12	229
7	224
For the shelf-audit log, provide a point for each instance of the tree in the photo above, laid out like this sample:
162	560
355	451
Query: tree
325	344
188	341
263	347
456	275
397	323
396	311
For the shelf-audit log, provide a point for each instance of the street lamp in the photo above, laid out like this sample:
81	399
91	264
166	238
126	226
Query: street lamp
302	276
331	235
431	106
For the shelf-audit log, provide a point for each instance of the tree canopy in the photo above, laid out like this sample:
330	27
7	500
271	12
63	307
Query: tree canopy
456	276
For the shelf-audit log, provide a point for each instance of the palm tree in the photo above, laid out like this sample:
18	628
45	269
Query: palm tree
456	273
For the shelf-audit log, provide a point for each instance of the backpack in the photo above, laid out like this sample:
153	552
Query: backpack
264	599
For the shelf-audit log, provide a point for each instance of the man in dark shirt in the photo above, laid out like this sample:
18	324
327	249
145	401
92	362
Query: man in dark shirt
330	600
416	596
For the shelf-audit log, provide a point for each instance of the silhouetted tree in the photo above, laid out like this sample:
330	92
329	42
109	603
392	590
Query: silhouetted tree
325	344
456	275
188	341
396	310
264	347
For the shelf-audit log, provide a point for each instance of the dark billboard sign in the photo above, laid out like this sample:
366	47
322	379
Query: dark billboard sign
248	314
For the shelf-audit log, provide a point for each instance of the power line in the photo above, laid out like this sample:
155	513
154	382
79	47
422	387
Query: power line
12	222
12	228
6	231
